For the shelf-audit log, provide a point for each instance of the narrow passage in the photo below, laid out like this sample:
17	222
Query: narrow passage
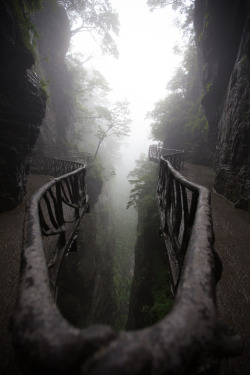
11	226
232	242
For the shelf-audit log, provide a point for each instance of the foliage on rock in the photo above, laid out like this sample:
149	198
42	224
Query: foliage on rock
23	11
150	298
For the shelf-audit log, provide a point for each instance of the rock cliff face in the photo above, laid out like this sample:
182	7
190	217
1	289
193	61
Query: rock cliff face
150	295
87	295
22	104
52	24
223	35
23	93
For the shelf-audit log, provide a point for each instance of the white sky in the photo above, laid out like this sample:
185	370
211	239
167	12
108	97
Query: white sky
145	65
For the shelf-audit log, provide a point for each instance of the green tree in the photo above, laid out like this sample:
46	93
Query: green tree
90	90
144	177
95	118
179	119
112	122
168	120
96	17
86	82
178	83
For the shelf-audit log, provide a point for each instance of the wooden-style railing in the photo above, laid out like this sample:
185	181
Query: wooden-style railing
176	157
186	340
54	166
56	210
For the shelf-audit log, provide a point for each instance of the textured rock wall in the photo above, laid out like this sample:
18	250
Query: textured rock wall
22	107
87	295
150	295
52	24
223	35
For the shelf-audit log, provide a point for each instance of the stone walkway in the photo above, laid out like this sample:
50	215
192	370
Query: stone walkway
232	234
232	242
11	225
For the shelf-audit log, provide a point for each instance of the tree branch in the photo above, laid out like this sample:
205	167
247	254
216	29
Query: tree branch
81	28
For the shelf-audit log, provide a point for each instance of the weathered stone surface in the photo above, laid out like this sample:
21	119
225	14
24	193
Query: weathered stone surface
22	107
52	24
223	34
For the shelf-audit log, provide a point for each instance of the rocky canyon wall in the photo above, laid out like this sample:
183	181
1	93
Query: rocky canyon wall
52	25
223	36
34	43
22	102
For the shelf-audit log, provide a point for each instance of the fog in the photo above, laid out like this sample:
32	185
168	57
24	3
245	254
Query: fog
146	62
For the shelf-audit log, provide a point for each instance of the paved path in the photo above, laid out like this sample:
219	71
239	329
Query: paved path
232	242
11	225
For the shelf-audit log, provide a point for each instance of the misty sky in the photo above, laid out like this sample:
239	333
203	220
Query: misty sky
145	65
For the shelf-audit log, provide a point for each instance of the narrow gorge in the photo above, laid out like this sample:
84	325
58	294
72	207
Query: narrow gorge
56	103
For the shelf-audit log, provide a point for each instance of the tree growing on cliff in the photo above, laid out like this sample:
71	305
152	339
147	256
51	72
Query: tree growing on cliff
143	177
96	17
112	122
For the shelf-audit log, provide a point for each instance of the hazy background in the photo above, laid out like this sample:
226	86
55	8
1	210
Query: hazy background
146	63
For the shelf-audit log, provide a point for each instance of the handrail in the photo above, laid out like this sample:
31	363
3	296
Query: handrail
83	157
53	166
178	205
56	209
176	157
188	336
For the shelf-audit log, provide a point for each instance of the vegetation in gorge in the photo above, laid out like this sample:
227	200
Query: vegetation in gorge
95	285
95	118
106	273
113	122
124	223
150	298
86	293
178	120
101	277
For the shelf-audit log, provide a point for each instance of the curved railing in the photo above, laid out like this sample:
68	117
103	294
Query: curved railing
176	157
53	166
179	344
55	211
81	157
183	207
